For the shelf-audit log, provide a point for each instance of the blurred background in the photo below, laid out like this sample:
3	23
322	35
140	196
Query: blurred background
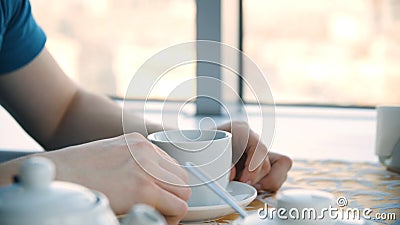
328	62
329	52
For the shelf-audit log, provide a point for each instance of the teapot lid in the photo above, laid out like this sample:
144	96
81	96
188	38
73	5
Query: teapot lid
34	192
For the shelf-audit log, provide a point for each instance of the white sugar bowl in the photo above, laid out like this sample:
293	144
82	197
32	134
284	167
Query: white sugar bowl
36	199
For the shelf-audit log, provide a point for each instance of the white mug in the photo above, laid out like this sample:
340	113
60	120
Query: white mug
388	136
211	150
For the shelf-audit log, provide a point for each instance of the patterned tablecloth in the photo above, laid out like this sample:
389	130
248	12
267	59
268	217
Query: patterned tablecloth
364	185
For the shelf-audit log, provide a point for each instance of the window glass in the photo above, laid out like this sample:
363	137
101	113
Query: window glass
344	52
101	43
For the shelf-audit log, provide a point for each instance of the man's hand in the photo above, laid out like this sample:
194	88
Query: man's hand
107	166
256	166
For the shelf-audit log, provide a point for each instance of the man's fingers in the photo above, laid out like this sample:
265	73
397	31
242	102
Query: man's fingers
171	164
168	180
252	177
175	168
256	155
257	164
233	173
280	165
241	134
172	207
172	183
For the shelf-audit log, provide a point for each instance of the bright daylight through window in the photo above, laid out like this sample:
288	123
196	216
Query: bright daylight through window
102	43
342	52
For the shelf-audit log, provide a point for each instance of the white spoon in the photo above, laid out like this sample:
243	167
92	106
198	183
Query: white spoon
214	186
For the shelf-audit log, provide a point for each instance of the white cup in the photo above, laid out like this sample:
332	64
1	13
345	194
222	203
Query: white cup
210	150
388	136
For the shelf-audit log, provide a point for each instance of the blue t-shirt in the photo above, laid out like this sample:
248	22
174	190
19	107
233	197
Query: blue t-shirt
21	39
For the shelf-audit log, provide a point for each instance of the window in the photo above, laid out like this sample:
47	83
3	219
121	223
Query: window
101	43
343	52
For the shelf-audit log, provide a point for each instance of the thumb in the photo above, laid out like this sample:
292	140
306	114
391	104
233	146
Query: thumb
254	161
233	173
257	157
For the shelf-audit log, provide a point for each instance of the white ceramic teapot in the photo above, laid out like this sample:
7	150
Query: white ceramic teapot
36	199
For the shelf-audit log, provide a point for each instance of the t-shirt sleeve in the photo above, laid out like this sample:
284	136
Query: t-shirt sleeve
21	39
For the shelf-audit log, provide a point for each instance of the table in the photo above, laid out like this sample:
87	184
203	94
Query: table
363	185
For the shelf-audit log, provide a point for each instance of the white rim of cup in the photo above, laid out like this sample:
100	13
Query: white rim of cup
153	138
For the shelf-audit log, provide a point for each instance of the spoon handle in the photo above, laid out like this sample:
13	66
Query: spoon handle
217	188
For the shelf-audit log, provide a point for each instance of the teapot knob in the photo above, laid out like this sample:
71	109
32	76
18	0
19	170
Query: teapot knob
36	172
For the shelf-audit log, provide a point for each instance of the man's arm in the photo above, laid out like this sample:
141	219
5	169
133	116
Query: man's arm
55	111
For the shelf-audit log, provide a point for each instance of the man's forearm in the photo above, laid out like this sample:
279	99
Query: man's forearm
92	117
56	112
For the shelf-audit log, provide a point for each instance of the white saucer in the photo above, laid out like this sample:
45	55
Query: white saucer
242	192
